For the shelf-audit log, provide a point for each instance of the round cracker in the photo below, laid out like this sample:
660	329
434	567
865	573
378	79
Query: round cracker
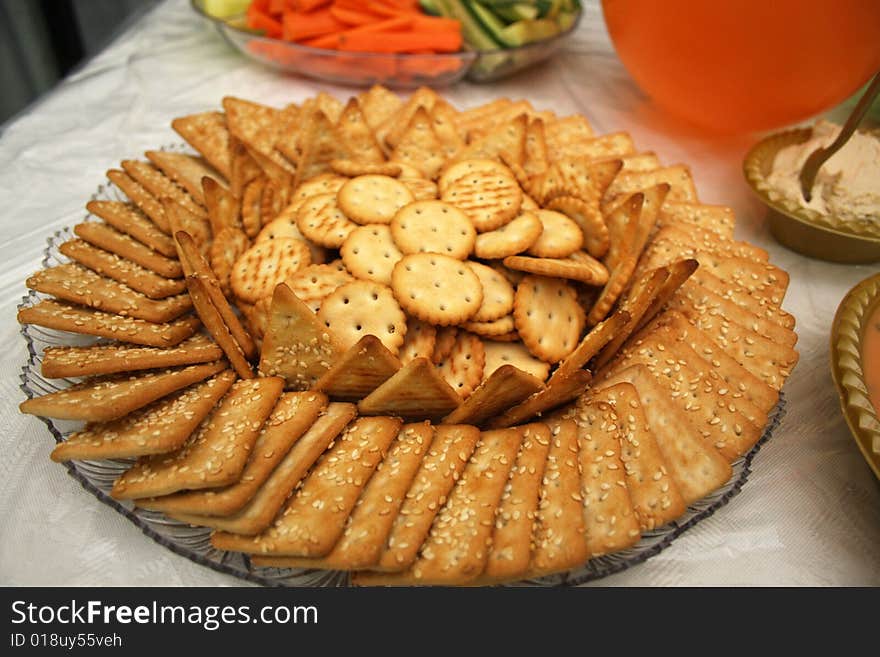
512	238
433	227
422	190
463	366
284	225
322	222
354	168
436	288
464	168
264	265
490	201
548	317
370	253
419	342
373	199
497	294
325	183
528	203
317	281
512	353
560	238
227	246
577	267
493	329
597	239
364	308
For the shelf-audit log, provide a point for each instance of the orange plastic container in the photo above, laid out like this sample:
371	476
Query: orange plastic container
741	65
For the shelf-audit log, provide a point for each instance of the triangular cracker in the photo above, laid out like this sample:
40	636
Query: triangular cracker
320	145
185	170
505	387
224	210
556	393
358	137
296	345
507	139
417	391
259	127
365	366
208	134
419	146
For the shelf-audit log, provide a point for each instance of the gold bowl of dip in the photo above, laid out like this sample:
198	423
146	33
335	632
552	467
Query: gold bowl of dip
855	365
831	232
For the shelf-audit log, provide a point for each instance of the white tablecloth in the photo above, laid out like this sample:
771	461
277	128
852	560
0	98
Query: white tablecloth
809	514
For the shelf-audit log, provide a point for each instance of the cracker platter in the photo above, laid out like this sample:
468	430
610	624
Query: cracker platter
399	343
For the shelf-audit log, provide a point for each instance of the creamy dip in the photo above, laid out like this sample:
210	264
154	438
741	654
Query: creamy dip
848	184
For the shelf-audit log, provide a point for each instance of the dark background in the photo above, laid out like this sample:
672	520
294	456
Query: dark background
41	41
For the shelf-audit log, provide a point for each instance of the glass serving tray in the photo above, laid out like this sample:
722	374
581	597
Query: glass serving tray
97	477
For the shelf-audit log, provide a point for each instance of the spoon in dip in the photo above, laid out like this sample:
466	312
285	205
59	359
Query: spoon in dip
818	157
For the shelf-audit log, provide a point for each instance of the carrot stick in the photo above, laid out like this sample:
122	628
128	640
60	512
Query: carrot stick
258	20
352	16
385	9
334	41
435	24
311	5
298	26
398	42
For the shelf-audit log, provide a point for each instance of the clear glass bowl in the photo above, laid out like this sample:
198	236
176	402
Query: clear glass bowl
194	543
392	70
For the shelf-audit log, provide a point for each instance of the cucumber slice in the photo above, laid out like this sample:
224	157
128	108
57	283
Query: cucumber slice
566	19
517	11
490	22
430	7
225	8
472	31
523	32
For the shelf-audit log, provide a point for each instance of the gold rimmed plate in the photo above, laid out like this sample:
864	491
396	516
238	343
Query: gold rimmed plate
851	323
801	229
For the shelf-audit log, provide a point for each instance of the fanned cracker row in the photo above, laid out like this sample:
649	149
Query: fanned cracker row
456	548
263	505
371	520
122	270
317	512
161	427
114	358
292	416
108	398
486	259
76	319
213	456
76	284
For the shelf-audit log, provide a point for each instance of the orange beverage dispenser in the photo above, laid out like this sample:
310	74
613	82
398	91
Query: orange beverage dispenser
742	65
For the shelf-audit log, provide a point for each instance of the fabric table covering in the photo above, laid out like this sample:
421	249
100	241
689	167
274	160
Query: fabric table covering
808	515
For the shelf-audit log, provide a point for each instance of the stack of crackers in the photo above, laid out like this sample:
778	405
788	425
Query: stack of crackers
424	345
